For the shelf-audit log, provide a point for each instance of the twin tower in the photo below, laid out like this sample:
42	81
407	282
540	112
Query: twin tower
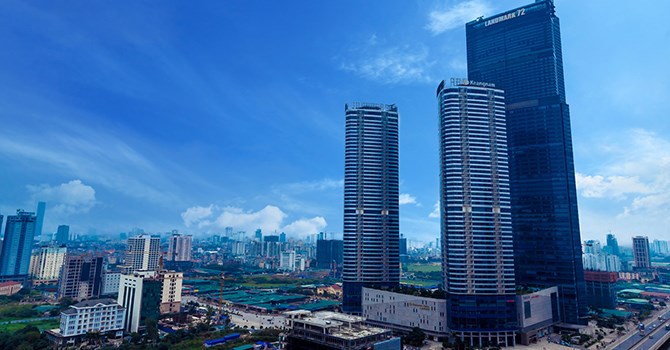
508	201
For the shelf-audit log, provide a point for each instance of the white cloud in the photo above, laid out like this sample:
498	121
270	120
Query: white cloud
436	211
393	65
309	186
615	187
73	197
442	20
406	198
304	227
268	219
197	215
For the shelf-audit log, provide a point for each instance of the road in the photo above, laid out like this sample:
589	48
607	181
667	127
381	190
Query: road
634	337
652	337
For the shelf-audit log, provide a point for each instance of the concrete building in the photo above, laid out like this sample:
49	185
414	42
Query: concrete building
171	291
327	330
104	316
179	248
140	296
537	313
10	288
46	264
143	252
402	312
641	252
81	277
475	212
111	283
371	201
329	254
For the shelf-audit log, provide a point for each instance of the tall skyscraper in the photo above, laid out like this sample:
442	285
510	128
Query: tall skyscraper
371	209
329	254
143	252
17	245
612	244
179	248
477	250
520	52
41	208
63	234
641	252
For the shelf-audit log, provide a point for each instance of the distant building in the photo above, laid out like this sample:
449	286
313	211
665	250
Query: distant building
282	237
403	245
660	247
600	292
402	312
17	246
10	288
327	330
81	277
63	234
46	264
271	246
143	252
98	315
41	208
258	235
612	244
641	252
329	254
179	248
287	261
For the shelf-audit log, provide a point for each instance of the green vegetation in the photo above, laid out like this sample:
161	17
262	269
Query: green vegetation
10	312
415	337
41	324
26	338
194	338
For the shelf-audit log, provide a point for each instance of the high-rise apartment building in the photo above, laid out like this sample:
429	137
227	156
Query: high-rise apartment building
520	52
81	277
140	296
46	264
17	245
477	249
179	248
371	211
287	261
143	252
41	208
63	234
641	252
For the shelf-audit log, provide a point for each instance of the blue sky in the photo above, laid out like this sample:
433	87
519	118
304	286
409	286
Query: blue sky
202	115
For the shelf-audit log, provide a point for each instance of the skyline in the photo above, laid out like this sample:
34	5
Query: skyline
124	81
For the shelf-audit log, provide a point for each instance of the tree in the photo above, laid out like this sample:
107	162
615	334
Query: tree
415	337
152	330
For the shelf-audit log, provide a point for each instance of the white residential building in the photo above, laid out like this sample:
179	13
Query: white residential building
171	291
96	315
110	283
46	264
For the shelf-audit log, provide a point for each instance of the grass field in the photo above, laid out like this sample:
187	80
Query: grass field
42	325
424	267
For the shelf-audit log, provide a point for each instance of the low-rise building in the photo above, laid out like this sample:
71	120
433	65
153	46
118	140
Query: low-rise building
10	288
537	313
402	312
328	330
600	292
104	316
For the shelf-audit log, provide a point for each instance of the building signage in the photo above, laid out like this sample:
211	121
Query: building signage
466	82
514	14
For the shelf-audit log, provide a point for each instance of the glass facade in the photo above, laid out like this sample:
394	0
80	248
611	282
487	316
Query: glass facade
17	244
520	52
478	254
371	205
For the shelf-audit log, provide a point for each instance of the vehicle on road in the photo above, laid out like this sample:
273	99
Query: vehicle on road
667	327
